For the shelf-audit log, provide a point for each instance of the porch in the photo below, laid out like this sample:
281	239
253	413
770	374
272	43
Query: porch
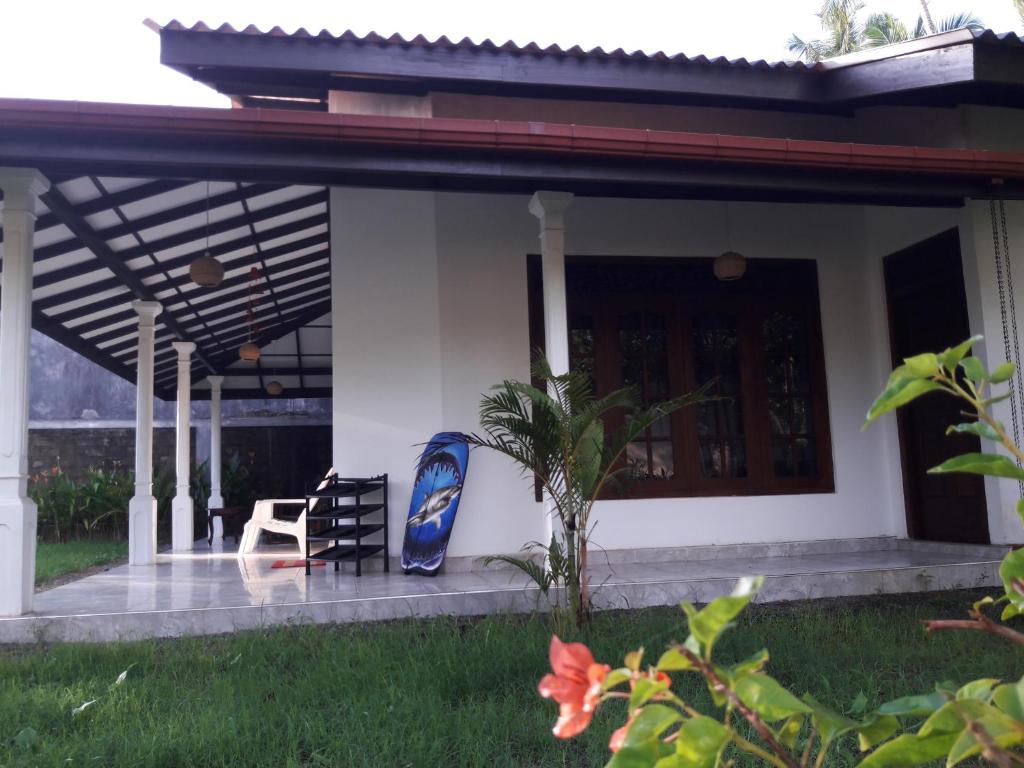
211	591
401	290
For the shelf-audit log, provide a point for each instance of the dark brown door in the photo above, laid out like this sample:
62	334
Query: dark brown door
928	312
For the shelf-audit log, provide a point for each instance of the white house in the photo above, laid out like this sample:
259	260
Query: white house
423	213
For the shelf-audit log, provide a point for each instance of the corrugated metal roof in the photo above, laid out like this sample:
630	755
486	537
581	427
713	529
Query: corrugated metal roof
466	43
534	49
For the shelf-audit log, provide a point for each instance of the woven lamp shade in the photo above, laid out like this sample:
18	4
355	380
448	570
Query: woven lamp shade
730	266
274	388
206	271
249	352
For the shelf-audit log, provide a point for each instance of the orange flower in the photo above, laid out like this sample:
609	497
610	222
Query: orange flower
575	684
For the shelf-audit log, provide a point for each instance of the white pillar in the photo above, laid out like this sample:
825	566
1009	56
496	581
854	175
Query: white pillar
182	517
549	208
18	514
142	507
216	499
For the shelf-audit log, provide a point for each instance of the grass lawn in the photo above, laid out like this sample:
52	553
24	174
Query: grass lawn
442	692
56	560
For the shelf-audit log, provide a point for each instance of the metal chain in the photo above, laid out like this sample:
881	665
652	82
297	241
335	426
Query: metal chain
1007	312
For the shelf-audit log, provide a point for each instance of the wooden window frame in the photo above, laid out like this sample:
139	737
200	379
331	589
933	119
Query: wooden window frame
751	307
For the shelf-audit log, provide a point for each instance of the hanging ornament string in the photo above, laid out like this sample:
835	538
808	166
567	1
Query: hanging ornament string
1007	312
255	290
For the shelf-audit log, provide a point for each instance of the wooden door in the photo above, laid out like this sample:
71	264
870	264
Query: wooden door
927	313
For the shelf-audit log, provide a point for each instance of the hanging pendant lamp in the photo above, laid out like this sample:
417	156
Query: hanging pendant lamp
250	351
206	271
730	265
275	388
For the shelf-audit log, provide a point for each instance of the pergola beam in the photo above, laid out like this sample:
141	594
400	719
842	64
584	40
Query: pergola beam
101	250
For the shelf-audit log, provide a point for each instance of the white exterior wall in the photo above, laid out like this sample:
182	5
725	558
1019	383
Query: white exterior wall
430	310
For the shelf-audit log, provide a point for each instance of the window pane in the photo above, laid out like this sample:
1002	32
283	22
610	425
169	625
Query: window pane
720	422
643	349
784	340
581	344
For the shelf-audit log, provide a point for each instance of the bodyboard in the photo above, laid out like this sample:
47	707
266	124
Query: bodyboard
440	474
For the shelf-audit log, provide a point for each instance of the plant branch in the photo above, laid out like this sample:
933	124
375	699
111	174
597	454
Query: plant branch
784	757
978	622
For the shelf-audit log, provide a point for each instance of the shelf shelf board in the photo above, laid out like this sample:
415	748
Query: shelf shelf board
347	552
346	510
345	532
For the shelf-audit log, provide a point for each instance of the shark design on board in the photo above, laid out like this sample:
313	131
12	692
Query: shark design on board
434	506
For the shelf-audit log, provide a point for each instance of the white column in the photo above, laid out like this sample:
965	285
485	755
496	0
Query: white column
215	500
142	507
18	514
549	208
182	518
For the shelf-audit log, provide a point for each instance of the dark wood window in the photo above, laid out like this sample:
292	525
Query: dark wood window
666	326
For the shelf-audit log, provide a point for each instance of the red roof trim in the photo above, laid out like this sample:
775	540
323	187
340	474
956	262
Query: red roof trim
499	135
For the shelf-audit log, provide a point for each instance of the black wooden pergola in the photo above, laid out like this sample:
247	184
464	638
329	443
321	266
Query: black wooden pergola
103	241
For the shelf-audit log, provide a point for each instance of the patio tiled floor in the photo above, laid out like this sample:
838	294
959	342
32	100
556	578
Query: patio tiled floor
214	591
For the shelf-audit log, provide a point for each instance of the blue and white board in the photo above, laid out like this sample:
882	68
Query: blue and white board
440	473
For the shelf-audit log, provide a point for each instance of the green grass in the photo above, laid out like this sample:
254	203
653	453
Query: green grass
442	692
55	560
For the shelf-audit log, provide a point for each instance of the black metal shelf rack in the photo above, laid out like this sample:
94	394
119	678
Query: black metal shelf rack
337	514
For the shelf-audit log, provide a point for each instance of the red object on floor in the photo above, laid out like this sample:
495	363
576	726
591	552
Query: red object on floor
295	563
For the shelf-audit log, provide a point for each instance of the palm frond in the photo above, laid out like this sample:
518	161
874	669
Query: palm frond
884	29
963	20
808	50
1019	5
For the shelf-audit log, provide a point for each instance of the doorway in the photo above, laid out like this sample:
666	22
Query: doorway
927	313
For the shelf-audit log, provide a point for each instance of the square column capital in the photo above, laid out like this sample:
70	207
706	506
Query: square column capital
147	311
549	207
215	382
22	186
184	348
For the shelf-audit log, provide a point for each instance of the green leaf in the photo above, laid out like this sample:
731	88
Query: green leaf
789	730
1011	571
951	356
615	678
644	690
999	728
1002	373
949	718
979	428
980	464
769	699
909	751
898	393
650	723
700	741
1009	698
640	755
922	366
875	729
913	706
753	663
828	723
633	659
673	661
980	690
1020	510
974	370
708	623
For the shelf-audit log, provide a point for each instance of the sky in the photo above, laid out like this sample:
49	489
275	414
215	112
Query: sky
100	50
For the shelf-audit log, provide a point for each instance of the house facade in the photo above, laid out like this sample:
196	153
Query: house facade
422	214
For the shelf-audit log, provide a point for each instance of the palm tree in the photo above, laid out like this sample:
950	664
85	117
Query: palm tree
885	29
1019	5
845	34
558	439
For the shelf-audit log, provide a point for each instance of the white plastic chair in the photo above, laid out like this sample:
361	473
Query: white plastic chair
263	520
